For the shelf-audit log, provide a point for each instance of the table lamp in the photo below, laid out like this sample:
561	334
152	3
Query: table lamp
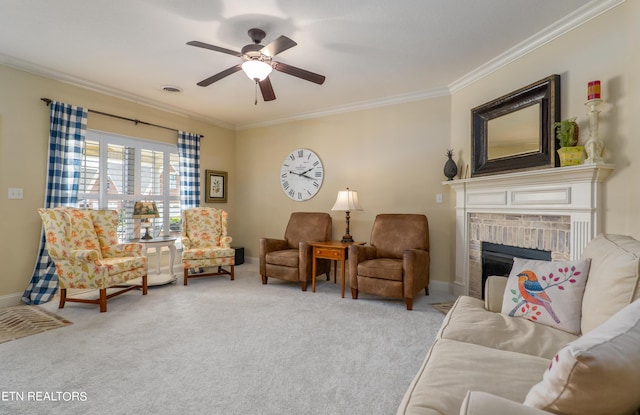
144	211
347	201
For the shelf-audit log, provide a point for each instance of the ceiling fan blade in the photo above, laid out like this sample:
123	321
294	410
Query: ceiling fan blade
220	75
214	48
299	73
278	46
267	90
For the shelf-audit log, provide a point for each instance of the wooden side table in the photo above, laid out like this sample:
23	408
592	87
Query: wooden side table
158	244
333	250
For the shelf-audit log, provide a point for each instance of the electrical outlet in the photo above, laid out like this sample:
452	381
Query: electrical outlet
15	193
439	198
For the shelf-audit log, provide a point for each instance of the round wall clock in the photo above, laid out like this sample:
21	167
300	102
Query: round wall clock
301	174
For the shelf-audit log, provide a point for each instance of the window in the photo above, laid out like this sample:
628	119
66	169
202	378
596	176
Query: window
117	171
173	181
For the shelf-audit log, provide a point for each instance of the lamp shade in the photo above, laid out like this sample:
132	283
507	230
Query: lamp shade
347	201
145	210
256	69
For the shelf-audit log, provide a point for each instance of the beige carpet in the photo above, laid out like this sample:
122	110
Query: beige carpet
442	307
24	320
226	347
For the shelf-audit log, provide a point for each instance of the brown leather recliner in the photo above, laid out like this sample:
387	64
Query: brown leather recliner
290	258
397	262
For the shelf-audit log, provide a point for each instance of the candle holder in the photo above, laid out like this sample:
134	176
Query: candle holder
594	145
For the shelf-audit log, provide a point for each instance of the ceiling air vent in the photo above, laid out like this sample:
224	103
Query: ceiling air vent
169	88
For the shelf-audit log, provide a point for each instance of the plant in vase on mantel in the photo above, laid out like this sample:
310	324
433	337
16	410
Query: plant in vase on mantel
567	133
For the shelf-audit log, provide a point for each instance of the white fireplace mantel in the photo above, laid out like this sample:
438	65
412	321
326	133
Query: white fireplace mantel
573	191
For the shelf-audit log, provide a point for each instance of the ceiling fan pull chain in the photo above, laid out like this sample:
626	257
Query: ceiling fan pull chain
256	101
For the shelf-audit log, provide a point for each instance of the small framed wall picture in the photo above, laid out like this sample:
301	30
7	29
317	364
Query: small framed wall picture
216	190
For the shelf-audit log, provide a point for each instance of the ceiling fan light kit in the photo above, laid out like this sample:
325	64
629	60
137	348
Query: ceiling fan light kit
257	62
256	70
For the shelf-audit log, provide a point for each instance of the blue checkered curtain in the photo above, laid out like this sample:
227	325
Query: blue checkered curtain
68	127
189	152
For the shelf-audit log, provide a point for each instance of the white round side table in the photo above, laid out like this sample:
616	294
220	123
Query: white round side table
158	278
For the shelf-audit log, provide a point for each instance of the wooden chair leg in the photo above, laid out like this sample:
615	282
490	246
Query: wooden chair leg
303	285
145	285
426	290
232	277
186	275
409	302
354	293
264	279
63	297
103	300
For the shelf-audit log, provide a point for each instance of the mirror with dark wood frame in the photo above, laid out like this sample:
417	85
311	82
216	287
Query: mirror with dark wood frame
516	131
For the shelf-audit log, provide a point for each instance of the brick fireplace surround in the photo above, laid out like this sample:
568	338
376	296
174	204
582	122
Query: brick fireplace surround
554	209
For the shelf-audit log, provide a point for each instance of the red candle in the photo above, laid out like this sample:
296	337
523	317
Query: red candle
594	90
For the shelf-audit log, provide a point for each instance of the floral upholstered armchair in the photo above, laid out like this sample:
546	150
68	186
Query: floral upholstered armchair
206	243
83	245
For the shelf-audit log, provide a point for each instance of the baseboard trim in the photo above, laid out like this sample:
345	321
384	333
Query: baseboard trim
251	260
458	289
440	287
10	300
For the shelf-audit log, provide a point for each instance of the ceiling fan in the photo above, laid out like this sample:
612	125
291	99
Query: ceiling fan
257	63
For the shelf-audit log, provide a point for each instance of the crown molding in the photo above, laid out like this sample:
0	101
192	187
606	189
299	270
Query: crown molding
32	68
571	21
357	106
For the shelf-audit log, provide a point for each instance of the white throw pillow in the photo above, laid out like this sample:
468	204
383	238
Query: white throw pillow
546	292
614	278
598	373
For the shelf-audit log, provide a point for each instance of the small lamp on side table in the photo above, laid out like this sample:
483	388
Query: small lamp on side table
144	211
347	201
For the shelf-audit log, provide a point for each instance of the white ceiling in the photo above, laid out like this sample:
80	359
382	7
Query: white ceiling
372	52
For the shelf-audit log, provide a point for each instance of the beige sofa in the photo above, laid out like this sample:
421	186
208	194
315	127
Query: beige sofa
485	362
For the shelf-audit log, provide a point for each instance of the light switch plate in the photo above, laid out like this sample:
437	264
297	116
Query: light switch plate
439	198
15	193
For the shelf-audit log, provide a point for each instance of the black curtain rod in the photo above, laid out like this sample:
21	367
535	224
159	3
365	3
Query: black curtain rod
135	121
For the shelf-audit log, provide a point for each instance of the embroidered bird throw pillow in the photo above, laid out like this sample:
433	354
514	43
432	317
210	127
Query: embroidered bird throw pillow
547	292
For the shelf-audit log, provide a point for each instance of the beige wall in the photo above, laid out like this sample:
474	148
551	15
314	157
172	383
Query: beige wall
24	134
393	156
605	48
